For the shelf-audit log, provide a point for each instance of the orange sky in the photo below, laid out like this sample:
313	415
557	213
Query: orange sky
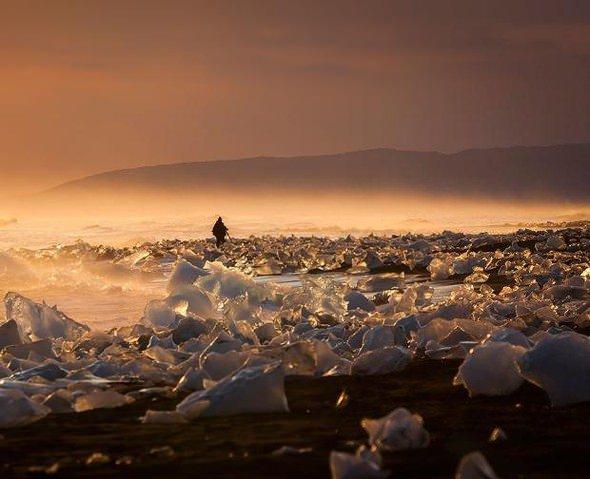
88	86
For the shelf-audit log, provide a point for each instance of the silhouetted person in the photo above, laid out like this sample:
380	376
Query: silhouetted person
219	231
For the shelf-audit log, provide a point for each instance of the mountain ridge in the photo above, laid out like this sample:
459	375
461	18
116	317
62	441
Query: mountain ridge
556	171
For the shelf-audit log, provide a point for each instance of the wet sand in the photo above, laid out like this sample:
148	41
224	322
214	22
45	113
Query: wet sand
542	441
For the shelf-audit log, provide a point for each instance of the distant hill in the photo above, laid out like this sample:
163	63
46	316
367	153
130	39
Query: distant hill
544	172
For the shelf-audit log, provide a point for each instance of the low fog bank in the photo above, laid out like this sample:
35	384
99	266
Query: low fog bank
120	219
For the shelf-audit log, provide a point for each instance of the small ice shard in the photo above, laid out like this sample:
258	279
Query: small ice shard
291	451
259	389
223	343
555	242
474	466
162	417
60	402
39	321
511	336
356	300
9	334
97	458
498	434
397	431
364	464
383	282
16	409
50	371
192	380
478	276
440	268
188	328
560	364
342	400
99	399
381	361
491	370
266	332
42	348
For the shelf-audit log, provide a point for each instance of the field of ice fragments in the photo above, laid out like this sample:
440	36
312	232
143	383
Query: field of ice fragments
419	356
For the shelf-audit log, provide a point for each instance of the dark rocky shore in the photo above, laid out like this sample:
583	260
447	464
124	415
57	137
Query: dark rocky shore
541	441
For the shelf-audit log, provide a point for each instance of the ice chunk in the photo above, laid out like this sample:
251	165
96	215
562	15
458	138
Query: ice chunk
356	300
382	336
219	365
184	274
364	464
511	336
159	315
397	431
162	417
16	409
60	402
9	334
441	268
257	389
50	371
475	466
560	364
497	434
381	361
491	370
383	282
39	321
192	380
99	399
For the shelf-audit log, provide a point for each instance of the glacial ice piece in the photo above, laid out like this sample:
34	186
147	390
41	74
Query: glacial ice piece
382	282
9	334
266	332
188	328
60	402
192	380
223	343
397	431
491	370
191	299
441	268
356	300
39	321
163	417
219	365
382	336
16	409
497	435
474	466
560	364
158	315
381	361
478	276
258	389
184	274
49	371
99	399
511	336
364	464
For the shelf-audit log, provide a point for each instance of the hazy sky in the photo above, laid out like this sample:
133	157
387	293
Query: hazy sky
91	85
